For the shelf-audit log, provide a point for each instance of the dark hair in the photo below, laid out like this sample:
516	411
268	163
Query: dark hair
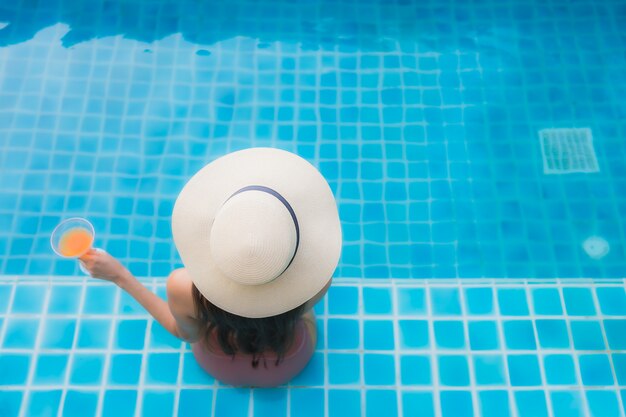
247	335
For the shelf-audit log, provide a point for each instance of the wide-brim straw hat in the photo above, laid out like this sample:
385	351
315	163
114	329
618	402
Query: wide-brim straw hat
258	231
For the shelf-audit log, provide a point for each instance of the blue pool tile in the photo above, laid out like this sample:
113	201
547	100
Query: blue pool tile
612	300
14	369
494	404
344	403
58	333
64	299
377	300
343	334
619	363
93	334
456	404
20	333
193	402
5	297
344	368
579	301
479	300
413	334
453	371
445	301
512	302
559	370
616	334
269	402
531	403
21	247
80	403
587	335
603	403
308	402
161	338
552	334
119	403
381	402
161	403
415	370
313	373
343	300
519	334
193	373
449	334
378	335
125	369
15	266
567	404
87	369
483	335
29	299
418	404
99	299
442	230
524	370
489	370
162	368
595	370
10	403
50	369
379	369
231	402
546	301
130	334
43	403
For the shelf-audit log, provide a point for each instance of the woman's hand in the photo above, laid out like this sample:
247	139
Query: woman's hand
103	266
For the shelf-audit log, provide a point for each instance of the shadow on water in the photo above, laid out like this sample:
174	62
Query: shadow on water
369	25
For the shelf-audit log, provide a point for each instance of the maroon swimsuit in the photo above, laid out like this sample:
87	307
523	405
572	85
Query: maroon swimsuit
238	371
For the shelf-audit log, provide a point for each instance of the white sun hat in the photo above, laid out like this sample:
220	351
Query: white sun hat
258	231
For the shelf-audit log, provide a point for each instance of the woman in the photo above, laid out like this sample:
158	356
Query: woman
259	235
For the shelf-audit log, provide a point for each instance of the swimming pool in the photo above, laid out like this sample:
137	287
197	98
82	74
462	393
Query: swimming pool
475	141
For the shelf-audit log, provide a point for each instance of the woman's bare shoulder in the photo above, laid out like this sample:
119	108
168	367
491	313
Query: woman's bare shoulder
179	291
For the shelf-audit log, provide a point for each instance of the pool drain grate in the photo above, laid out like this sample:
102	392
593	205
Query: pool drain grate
566	151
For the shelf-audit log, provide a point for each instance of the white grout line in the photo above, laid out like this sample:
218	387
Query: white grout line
338	350
143	368
107	359
72	352
3	331
383	282
503	353
361	347
35	354
609	352
540	359
468	354
396	350
572	351
351	387
432	354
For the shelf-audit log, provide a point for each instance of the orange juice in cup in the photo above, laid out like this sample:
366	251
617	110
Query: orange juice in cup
73	238
75	242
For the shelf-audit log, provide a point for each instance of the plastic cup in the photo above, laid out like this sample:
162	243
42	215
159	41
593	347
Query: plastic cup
73	238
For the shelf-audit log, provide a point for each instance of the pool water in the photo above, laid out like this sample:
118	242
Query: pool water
475	149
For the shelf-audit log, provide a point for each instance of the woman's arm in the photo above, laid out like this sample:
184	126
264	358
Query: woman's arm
176	315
